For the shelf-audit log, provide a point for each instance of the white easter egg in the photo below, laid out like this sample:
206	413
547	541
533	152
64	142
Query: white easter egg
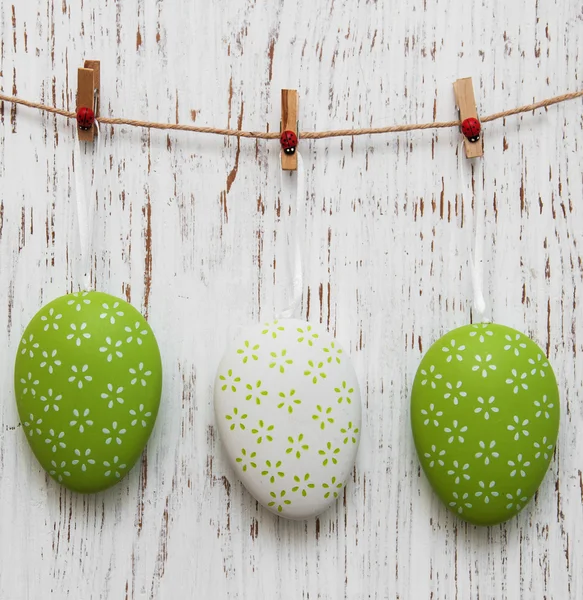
288	410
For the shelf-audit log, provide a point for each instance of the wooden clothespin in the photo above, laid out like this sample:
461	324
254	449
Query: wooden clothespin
466	103
289	129
88	80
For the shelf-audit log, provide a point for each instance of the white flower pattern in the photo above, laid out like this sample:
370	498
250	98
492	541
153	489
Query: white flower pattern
111	312
430	377
486	407
517	500
51	320
487	451
80	375
459	472
543	448
460	502
435	457
50	361
518	466
136	333
517	381
483	364
78	300
519	427
431	415
112	396
51	400
81	420
83	459
140	416
59	470
33	425
79	333
543	406
114	434
28	346
487	491
481	331
456	430
455	393
29	385
540	364
111	349
453	350
140	375
55	440
114	467
514	344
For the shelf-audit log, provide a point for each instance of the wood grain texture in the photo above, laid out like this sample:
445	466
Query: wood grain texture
463	90
190	229
88	84
289	122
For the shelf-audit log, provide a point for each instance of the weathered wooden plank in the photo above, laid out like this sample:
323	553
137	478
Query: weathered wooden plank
190	229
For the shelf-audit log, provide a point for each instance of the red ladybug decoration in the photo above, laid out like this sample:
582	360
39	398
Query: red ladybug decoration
289	142
471	129
85	117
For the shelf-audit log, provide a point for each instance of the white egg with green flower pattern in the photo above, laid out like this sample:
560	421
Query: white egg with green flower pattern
287	405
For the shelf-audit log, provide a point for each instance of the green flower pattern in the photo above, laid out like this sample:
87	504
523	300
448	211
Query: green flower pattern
255	392
263	431
288	400
296	446
271	471
248	351
247	459
87	393
279	500
485	415
303	484
322	415
280	361
266	379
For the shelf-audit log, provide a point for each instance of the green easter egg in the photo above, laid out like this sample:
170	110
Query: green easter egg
485	419
88	379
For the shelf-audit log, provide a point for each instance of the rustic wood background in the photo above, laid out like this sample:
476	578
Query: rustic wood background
189	228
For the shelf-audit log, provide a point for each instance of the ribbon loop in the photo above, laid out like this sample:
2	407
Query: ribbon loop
294	245
85	214
477	261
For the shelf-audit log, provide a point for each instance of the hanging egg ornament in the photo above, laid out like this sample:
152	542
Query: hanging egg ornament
287	406
289	142
471	128
85	117
88	379
485	420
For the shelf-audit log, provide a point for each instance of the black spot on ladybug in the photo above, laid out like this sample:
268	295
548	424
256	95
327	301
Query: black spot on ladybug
471	129
289	141
85	118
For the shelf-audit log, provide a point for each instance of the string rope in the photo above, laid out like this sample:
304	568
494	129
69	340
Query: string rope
294	243
314	135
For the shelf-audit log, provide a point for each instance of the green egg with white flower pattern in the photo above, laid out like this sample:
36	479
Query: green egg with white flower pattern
485	420
88	379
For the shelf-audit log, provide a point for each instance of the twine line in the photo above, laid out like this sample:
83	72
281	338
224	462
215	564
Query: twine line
314	135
